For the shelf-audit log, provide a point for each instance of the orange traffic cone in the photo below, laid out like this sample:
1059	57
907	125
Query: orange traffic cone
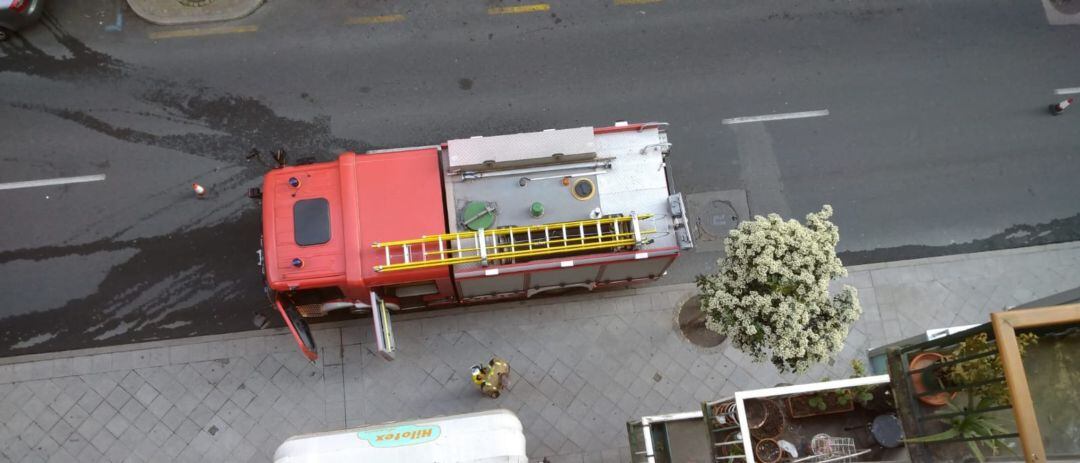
200	192
1057	109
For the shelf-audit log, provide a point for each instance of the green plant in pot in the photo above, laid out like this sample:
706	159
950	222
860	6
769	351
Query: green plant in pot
861	394
983	369
972	426
818	401
926	377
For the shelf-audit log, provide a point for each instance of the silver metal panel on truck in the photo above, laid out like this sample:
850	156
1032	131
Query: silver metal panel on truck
635	269
520	148
627	176
565	276
636	182
472	287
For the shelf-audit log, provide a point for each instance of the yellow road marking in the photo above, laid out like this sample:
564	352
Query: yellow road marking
389	18
204	31
533	8
636	2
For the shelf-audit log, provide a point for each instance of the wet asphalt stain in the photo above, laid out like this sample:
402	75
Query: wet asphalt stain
465	84
1016	236
243	122
83	64
858	15
195	281
214	265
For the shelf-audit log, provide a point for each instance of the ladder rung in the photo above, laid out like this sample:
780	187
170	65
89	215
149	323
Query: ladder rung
502	244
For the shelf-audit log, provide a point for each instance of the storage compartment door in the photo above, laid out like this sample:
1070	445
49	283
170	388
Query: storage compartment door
384	335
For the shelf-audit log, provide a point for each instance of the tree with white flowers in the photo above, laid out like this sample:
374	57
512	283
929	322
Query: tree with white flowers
771	297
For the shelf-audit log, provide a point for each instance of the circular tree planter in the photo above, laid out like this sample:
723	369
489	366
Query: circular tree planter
691	321
1066	6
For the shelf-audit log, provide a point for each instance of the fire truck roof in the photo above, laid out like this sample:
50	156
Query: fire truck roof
559	176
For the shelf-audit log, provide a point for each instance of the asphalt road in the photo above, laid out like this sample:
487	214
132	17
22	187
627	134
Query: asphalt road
937	138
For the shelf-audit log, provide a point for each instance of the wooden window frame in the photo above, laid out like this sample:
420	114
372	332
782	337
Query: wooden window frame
1005	325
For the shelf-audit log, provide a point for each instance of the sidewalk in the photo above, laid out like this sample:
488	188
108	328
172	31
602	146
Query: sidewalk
583	366
173	12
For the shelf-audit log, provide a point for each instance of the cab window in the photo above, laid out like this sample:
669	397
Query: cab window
311	221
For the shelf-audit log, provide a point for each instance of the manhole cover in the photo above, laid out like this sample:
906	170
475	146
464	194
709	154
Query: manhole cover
195	2
713	214
718	218
692	325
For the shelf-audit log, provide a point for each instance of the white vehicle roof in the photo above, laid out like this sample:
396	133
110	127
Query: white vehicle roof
488	437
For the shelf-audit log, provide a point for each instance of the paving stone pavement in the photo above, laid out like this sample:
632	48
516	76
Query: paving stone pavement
582	366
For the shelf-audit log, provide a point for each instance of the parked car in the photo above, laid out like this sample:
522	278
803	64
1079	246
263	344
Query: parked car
17	14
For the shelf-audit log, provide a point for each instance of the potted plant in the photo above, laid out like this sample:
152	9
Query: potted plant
723	415
768	451
732	450
930	379
821	403
864	395
977	426
767	421
983	370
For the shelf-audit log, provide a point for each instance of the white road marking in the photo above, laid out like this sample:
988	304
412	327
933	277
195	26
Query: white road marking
52	181
1067	91
776	117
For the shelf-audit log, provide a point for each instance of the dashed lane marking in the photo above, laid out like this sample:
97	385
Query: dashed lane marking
1067	91
202	32
517	9
389	18
52	181
776	117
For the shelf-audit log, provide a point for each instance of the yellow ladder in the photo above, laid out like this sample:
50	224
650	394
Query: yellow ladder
503	244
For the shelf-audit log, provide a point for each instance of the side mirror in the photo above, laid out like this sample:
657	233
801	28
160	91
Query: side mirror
254	193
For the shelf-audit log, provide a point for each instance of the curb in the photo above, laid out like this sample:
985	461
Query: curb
963	257
172	12
648	289
272	332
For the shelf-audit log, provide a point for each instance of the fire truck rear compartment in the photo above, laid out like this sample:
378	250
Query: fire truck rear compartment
568	175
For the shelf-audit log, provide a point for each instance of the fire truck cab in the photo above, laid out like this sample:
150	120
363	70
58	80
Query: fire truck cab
471	220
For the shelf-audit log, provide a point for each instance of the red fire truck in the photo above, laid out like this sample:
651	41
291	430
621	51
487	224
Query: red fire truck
472	220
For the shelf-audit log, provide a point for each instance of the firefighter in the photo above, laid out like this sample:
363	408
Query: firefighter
500	370
493	378
479	375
